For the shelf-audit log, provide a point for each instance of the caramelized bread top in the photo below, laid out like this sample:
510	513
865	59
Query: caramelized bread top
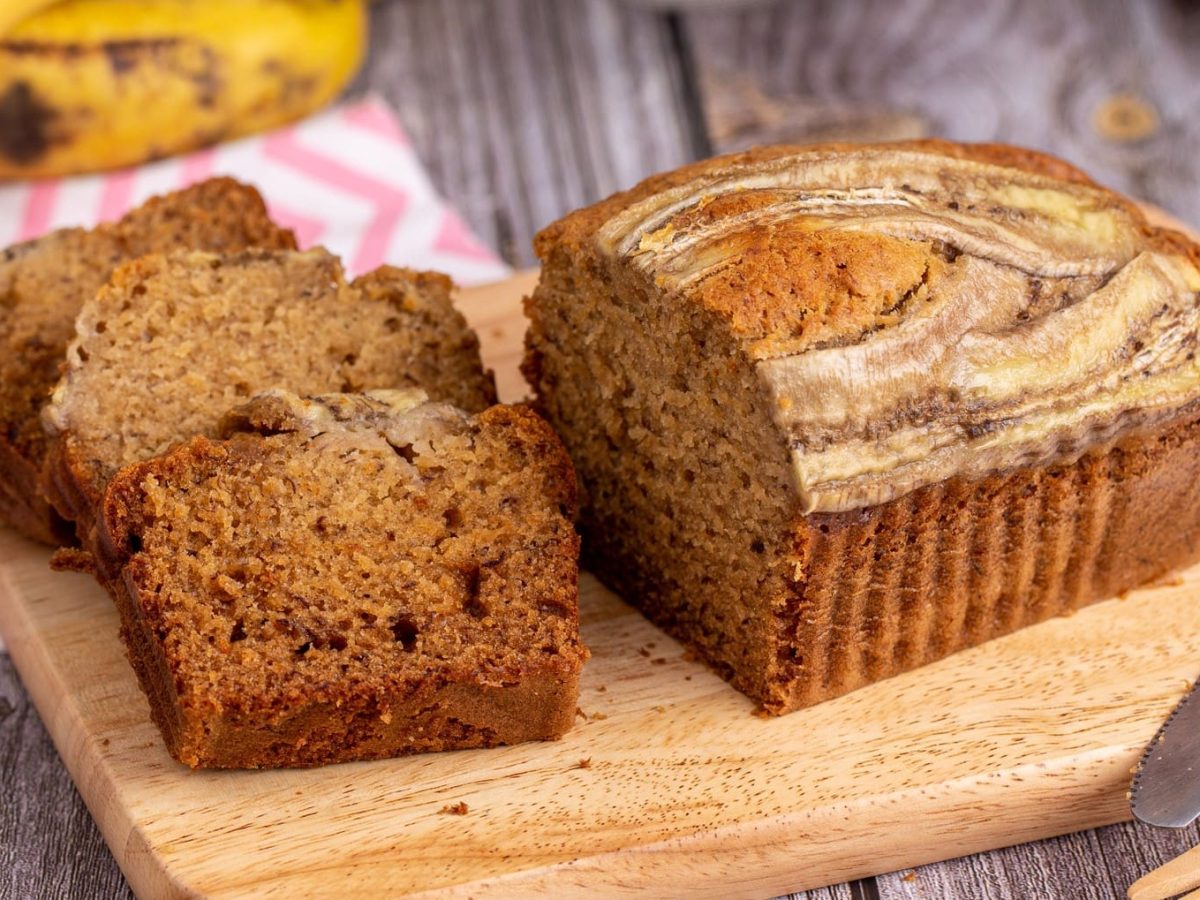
915	310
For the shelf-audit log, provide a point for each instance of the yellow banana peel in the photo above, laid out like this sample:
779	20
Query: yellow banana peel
14	11
97	84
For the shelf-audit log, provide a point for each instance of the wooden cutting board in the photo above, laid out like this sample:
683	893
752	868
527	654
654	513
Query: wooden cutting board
668	785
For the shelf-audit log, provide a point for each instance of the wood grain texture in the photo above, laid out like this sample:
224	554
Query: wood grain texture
50	846
684	790
1091	865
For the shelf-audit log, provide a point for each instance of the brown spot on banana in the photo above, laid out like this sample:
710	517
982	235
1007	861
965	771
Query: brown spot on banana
205	76
294	88
26	124
37	48
125	56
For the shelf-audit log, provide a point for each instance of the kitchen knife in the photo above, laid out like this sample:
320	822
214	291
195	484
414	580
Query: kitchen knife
1166	792
1166	784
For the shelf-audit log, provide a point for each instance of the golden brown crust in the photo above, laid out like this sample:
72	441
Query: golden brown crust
788	281
43	284
501	669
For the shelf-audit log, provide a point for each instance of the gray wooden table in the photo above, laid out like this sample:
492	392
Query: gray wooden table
524	110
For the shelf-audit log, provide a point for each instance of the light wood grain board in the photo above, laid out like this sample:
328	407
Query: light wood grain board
668	784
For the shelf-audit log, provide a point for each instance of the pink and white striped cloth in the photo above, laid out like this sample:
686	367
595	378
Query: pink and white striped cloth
347	179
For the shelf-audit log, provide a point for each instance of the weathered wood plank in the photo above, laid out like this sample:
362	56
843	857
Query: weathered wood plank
1111	86
836	892
1091	865
49	845
525	110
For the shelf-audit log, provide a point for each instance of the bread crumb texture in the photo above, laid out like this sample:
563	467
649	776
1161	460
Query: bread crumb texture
350	577
173	341
43	285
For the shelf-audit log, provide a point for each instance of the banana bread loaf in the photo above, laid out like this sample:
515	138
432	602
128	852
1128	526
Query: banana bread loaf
172	342
44	283
350	577
839	411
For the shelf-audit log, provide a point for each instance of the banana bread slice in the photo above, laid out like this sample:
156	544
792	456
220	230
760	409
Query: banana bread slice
839	411
350	577
173	341
43	284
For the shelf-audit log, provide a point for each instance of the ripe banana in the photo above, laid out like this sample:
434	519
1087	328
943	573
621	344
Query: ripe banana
96	84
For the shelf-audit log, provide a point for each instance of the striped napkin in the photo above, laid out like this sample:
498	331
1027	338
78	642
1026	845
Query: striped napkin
347	179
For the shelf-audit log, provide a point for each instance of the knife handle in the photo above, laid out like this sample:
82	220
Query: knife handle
1179	875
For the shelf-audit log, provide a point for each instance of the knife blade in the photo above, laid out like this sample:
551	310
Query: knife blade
1166	783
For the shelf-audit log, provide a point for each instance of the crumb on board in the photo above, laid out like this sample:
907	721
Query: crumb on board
659	661
585	763
597	717
643	651
458	809
660	709
601	689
